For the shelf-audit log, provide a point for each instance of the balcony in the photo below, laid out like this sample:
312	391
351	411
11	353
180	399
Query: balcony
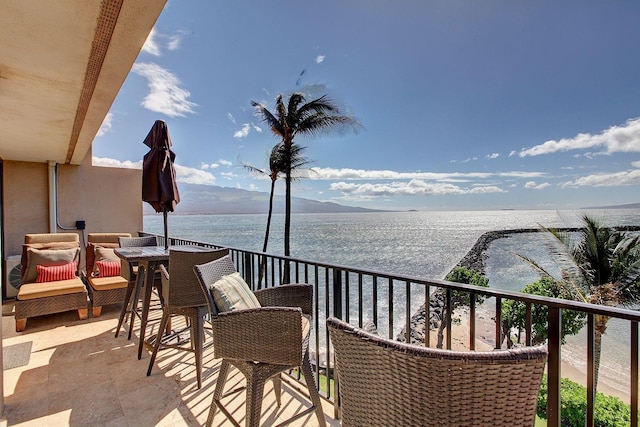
78	373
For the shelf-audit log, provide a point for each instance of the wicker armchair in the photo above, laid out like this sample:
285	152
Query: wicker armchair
104	290
183	296
384	382
260	342
37	298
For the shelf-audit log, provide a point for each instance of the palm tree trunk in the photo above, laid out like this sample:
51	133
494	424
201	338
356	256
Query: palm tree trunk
287	222
263	264
441	327
600	328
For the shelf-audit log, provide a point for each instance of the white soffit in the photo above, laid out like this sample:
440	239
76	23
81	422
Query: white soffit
62	64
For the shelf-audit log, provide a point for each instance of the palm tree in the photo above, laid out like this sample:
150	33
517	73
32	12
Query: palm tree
605	270
276	166
313	118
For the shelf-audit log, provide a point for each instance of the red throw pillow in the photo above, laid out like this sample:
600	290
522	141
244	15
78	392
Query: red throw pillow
108	268
53	273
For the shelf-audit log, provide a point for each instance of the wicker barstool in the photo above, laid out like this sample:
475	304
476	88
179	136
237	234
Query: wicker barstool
260	342
183	296
133	287
388	383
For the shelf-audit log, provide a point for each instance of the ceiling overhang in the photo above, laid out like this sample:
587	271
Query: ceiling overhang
62	64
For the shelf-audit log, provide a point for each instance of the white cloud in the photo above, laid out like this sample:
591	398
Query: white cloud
151	45
183	174
616	139
105	127
630	177
415	187
193	176
520	174
209	166
256	128
636	164
175	40
243	132
485	189
493	156
467	160
165	95
534	186
362	174
512	153
231	118
228	175
113	163
320	59
225	162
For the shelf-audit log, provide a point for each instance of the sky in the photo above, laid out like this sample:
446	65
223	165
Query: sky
464	105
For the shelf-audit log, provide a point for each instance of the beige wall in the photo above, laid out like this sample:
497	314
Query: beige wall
108	199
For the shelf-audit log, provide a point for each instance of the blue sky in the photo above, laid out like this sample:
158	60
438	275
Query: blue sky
465	104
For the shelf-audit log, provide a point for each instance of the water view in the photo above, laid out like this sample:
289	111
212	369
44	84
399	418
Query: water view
421	244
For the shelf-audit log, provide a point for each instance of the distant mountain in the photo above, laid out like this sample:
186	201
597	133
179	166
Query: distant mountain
211	199
627	206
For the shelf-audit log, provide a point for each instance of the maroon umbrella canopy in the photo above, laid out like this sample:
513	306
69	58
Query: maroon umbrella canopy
159	187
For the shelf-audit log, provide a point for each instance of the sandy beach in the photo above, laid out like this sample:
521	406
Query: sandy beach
485	333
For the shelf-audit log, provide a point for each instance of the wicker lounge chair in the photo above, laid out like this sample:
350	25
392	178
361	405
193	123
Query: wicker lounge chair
388	383
104	290
37	298
183	296
260	342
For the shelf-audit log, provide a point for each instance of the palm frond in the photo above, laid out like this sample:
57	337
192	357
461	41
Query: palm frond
270	119
295	100
253	169
321	124
541	271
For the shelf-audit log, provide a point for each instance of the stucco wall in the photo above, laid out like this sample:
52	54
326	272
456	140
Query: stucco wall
108	199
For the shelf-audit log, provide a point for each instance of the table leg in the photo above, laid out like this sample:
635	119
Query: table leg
125	305
133	311
150	272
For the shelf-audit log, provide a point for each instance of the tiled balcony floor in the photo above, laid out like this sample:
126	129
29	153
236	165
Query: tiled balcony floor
80	374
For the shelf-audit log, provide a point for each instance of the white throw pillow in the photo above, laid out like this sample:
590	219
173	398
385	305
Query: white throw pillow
231	293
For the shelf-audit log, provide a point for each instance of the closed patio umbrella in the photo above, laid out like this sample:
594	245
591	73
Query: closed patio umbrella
159	187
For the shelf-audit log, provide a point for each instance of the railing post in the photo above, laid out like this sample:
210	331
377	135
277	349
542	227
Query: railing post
407	315
634	374
427	316
472	321
498	323
337	312
337	293
591	369
553	367
449	308
248	269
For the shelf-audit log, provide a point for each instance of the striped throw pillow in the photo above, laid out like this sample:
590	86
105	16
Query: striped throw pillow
53	273
108	268
232	293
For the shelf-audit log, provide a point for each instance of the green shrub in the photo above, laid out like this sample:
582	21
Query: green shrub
609	411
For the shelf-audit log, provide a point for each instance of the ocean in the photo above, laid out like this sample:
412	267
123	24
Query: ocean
422	244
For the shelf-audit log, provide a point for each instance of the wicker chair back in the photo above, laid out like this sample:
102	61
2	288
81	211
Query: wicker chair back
384	382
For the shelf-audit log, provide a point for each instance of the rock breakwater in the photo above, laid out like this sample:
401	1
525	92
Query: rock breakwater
475	259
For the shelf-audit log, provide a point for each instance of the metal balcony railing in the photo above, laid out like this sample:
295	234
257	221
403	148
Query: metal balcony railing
389	300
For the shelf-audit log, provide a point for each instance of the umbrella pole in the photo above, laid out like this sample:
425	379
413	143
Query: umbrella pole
166	235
